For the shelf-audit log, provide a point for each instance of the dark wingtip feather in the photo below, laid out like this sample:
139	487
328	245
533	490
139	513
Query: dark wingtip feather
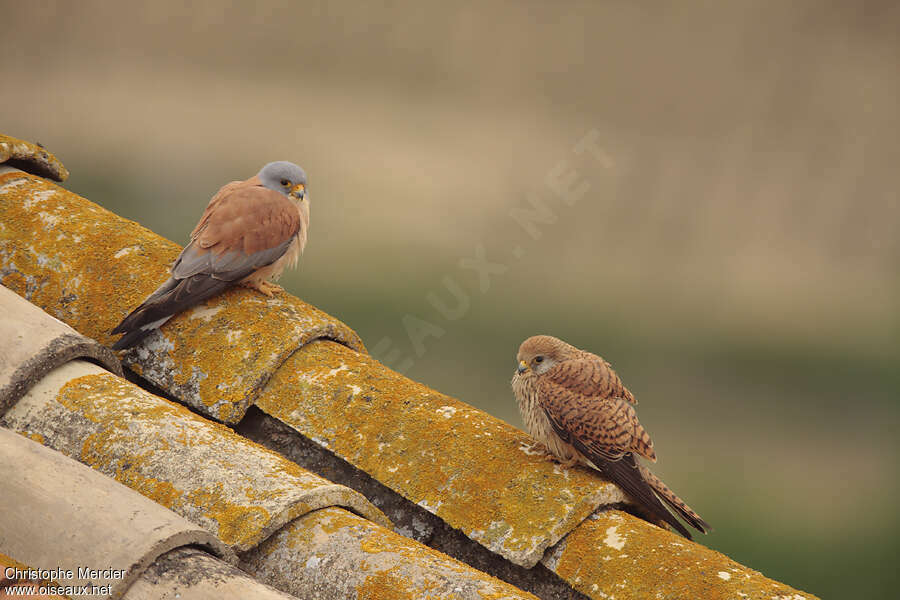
171	298
130	339
695	521
624	473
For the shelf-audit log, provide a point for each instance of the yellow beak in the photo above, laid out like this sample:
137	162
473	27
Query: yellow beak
522	367
299	191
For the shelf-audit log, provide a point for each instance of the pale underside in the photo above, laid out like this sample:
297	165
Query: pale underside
273	271
538	425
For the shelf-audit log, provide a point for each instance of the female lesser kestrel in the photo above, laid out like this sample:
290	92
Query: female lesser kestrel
576	407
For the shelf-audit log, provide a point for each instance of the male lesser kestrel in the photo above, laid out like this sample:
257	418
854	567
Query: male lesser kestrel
577	409
250	231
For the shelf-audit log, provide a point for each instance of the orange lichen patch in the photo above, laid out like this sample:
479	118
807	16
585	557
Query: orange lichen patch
218	356
384	585
236	521
7	561
468	468
32	158
201	470
89	268
614	554
77	261
35	437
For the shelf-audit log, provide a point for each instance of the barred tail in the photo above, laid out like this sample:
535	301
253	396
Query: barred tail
683	510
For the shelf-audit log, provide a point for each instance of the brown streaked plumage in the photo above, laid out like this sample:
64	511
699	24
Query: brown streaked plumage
577	409
250	231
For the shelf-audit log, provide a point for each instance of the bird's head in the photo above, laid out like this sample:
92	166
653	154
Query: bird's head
286	178
540	353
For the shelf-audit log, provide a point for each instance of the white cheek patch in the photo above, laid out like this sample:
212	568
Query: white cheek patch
545	366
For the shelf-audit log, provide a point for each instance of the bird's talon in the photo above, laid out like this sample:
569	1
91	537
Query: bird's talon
265	288
538	449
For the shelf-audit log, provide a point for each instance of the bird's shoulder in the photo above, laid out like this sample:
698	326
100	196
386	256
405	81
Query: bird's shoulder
603	422
588	375
246	215
215	201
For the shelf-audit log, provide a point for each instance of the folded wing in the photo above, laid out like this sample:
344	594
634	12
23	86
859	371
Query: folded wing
606	431
245	227
590	375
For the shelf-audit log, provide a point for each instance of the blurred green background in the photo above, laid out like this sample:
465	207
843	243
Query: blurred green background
735	255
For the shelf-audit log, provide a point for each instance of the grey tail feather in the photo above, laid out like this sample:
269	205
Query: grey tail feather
136	335
172	297
136	318
131	338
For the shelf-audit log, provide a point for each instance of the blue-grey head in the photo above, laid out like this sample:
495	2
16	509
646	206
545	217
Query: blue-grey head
284	177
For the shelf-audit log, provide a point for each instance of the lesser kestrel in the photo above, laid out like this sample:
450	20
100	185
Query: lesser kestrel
577	409
250	231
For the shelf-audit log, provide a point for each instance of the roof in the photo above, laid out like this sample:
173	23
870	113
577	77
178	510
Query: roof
245	500
36	345
300	382
117	528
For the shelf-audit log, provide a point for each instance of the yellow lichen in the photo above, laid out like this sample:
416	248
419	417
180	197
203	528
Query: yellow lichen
116	406
71	264
654	561
36	437
33	156
375	544
389	584
80	240
398	431
9	562
237	522
238	514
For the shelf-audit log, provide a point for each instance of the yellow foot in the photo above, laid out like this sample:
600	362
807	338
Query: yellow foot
264	287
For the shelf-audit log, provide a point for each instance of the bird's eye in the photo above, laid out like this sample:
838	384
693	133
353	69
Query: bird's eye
538	359
285	182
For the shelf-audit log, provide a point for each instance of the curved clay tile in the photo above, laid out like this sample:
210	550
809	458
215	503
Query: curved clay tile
190	574
59	513
237	490
89	267
31	158
34	343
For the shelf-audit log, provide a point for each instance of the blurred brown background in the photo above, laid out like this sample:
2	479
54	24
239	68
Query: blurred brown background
735	256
